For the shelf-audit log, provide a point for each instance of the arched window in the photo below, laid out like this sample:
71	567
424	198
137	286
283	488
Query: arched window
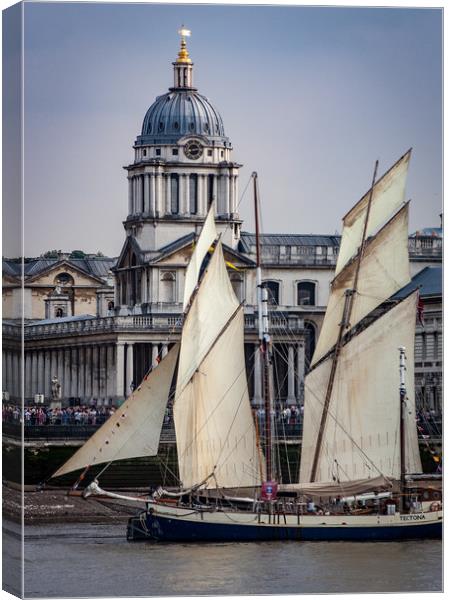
237	285
59	312
174	190
273	292
110	305
310	339
168	286
306	293
64	279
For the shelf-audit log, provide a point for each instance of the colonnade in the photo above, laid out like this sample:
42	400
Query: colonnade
150	194
102	373
295	374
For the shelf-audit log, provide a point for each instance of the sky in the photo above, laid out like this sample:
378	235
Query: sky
310	98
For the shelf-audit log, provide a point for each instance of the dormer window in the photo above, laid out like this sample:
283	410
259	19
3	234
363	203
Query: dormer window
158	151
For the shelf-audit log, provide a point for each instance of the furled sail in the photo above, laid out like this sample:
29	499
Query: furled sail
384	269
135	428
215	430
388	195
362	432
207	236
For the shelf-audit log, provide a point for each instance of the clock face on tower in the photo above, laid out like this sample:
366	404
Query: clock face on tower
193	149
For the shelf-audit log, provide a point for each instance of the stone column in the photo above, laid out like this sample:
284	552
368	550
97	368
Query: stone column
152	196
120	368
34	373
81	372
40	387
215	191
66	387
226	194
74	372
17	375
291	398
4	371
130	195
134	195
159	199
300	370
8	371
47	373
88	373
94	371
110	370
257	399
183	197
27	375
201	195
154	354
61	370
129	367
102	371
167	195
164	350
146	193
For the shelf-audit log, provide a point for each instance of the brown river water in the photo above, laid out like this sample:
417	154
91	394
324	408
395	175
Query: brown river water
83	560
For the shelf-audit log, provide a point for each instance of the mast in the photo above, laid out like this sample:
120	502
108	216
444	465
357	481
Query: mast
264	339
402	395
343	325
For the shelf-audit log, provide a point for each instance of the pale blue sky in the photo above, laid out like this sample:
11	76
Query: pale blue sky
310	97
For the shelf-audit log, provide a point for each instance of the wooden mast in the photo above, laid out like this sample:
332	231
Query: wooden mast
264	339
344	324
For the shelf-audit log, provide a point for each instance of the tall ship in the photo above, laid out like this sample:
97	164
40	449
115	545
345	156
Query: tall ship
360	465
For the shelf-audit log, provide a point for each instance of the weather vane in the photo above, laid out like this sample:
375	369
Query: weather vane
183	55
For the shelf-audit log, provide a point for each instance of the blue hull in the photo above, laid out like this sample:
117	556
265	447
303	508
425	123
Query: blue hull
167	529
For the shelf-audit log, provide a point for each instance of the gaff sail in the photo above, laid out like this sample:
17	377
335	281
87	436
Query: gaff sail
134	429
361	436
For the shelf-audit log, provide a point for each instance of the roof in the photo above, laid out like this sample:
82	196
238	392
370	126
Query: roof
97	267
287	239
61	320
429	281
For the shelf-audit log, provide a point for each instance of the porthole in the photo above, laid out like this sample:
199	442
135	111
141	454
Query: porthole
161	125
176	125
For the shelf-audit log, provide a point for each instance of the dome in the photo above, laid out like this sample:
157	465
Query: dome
179	113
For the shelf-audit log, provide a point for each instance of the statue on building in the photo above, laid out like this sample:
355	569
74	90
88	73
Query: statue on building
55	393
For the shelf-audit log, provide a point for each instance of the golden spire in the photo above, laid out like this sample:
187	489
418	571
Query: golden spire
183	54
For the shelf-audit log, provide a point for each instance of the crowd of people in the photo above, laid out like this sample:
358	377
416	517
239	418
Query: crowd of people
43	415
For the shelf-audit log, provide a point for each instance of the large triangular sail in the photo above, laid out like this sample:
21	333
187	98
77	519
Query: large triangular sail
215	431
207	236
361	436
134	429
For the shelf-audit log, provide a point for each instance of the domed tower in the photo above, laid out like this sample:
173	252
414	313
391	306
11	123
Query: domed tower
182	163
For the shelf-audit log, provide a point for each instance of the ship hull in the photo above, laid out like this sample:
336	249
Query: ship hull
224	527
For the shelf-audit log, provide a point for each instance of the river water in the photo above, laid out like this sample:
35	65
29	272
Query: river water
96	560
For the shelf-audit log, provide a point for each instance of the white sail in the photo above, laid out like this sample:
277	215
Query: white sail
211	309
207	236
215	429
135	428
362	433
388	195
384	269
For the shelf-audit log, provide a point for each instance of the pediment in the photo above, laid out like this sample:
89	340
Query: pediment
47	276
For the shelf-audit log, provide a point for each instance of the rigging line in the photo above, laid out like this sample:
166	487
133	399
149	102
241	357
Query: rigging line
280	385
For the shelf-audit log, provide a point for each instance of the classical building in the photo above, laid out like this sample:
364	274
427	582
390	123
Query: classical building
100	350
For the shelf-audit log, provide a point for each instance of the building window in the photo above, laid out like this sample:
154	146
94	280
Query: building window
306	293
210	189
273	292
59	313
64	279
175	151
222	154
110	305
158	151
168	287
174	185
176	125
144	152
193	194
209	153
237	285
